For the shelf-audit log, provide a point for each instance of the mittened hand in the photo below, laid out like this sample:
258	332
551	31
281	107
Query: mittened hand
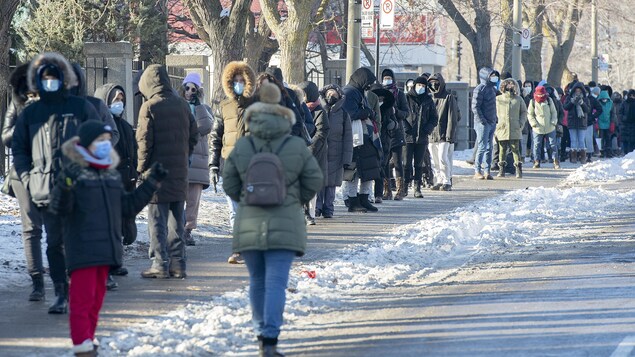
158	172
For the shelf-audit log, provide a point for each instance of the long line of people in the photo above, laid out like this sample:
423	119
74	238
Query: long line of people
73	154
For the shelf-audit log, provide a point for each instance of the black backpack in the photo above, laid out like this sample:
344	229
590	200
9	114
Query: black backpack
265	182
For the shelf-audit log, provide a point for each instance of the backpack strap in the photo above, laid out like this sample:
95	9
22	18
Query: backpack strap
283	144
253	145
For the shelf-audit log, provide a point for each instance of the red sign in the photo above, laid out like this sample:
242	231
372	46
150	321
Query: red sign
408	30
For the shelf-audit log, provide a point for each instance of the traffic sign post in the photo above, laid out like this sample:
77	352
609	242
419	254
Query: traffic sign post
525	39
387	14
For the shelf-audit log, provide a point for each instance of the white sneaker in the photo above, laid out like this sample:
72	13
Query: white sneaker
86	346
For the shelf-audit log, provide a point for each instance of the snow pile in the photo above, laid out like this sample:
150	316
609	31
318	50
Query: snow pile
405	256
616	169
12	260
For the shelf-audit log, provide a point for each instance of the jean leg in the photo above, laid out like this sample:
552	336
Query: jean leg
536	148
319	205
255	262
489	147
553	144
277	266
55	247
588	139
158	231
481	144
329	199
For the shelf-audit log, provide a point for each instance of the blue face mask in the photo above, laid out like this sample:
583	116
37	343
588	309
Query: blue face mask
239	88
50	85
117	108
102	149
421	90
387	82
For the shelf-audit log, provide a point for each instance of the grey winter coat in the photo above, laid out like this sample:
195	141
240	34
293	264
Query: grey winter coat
340	143
199	168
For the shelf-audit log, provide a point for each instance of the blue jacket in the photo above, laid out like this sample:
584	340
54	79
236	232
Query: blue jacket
484	99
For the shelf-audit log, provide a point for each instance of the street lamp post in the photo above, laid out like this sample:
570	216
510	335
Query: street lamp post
594	41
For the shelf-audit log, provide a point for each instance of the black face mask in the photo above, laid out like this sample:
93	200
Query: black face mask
435	86
332	100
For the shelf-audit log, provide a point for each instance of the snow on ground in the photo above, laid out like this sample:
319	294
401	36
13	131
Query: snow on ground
404	256
611	170
12	260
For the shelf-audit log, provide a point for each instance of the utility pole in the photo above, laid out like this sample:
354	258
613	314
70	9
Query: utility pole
594	41
516	51
354	37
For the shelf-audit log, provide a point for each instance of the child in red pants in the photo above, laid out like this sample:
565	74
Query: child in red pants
90	197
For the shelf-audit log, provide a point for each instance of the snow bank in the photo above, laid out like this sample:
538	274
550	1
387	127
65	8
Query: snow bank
611	170
12	260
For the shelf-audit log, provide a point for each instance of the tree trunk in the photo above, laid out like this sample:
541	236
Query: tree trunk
533	18
561	37
292	54
7	10
508	23
558	66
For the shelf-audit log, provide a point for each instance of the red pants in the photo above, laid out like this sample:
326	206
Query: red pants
86	295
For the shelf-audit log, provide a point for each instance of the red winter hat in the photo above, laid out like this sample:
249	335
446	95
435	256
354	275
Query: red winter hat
540	95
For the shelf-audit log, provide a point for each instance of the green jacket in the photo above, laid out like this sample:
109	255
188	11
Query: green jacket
281	227
511	112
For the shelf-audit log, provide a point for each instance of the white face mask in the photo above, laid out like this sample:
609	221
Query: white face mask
387	82
239	88
493	79
526	91
117	108
51	85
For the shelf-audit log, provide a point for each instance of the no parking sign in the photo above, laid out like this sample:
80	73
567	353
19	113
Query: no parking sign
387	14
525	39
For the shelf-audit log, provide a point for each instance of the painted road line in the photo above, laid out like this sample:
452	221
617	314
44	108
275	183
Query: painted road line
625	347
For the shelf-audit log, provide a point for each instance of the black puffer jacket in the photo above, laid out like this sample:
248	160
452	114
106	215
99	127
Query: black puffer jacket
93	209
127	146
627	122
423	118
19	100
44	126
340	140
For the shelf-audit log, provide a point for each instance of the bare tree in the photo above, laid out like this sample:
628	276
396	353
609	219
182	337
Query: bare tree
223	31
292	32
260	45
7	10
533	19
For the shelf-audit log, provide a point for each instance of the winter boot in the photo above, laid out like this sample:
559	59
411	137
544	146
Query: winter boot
268	347
387	190
501	169
401	190
393	184
573	157
156	273
418	193
111	284
38	287
355	206
364	202
519	170
556	164
582	157
60	306
187	237
536	164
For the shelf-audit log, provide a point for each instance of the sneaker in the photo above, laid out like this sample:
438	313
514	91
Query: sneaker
327	215
436	187
310	221
236	258
479	176
155	273
111	284
446	187
489	177
187	237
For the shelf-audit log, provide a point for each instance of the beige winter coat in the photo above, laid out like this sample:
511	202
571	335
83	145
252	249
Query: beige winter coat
543	117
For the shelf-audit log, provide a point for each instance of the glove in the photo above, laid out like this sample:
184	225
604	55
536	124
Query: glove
157	172
214	175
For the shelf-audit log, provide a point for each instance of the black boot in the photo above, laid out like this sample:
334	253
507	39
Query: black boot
60	306
354	205
38	287
269	347
418	193
364	202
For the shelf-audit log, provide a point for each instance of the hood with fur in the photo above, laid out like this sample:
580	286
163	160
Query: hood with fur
19	84
57	60
227	79
69	150
506	82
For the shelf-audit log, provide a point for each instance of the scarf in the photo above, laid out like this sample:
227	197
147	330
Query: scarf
92	161
394	90
540	98
578	108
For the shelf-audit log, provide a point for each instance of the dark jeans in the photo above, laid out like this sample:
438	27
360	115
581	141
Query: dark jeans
606	141
628	146
54	246
417	155
31	219
325	200
166	227
565	142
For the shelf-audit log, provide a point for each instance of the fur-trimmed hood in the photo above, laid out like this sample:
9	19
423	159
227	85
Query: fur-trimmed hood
227	79
70	151
19	84
57	60
504	83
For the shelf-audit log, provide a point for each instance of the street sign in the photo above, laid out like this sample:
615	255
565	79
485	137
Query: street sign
387	14
368	14
525	39
368	32
603	63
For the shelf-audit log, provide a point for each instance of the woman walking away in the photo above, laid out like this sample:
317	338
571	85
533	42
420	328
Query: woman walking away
512	116
340	147
270	230
198	173
90	196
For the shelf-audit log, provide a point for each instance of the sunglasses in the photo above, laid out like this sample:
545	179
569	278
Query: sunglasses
190	89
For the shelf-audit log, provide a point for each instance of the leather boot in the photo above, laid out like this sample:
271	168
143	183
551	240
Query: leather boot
387	190
364	202
573	157
38	287
519	170
60	306
556	164
401	190
268	347
418	193
501	169
582	157
355	206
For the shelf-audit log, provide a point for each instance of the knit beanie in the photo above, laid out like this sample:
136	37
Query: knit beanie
90	130
193	78
421	79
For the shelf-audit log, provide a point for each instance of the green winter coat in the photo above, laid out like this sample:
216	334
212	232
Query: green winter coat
280	227
512	114
607	116
543	117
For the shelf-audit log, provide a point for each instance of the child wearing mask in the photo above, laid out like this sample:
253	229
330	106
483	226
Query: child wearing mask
90	196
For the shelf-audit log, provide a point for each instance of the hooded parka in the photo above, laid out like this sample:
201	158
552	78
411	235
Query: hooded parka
319	140
484	98
543	117
340	140
511	112
277	227
166	133
447	109
423	117
577	108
